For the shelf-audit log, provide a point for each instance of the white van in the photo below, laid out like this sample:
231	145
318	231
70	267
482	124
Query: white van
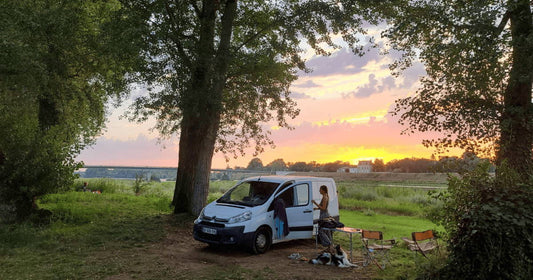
244	215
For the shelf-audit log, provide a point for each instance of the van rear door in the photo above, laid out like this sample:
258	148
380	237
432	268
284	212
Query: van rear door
333	204
299	209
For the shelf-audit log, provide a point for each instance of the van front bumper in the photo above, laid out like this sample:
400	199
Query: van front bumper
219	234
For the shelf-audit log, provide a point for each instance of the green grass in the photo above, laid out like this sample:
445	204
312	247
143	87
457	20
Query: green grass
87	230
218	188
371	196
404	264
391	226
82	224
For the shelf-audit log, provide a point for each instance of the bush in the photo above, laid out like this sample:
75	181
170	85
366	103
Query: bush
140	185
490	223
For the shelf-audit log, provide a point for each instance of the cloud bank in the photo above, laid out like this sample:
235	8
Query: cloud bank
344	105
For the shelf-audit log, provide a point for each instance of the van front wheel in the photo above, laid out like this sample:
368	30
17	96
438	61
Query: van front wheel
261	241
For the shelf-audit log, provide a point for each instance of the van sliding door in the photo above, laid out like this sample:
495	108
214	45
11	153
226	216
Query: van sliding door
299	210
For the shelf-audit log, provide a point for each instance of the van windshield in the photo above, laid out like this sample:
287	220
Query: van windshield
250	193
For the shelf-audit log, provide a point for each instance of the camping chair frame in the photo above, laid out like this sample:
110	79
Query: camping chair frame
422	242
375	248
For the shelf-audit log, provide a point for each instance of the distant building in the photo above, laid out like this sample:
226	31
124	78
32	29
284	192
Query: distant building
364	166
348	170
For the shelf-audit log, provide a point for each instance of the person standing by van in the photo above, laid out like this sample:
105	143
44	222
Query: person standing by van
325	235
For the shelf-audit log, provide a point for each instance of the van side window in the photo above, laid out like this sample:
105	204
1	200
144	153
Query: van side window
288	197
302	194
296	196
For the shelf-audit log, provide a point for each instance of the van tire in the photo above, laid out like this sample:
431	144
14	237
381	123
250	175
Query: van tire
261	241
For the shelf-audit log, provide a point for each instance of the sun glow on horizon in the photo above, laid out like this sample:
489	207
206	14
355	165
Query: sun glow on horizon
362	118
323	153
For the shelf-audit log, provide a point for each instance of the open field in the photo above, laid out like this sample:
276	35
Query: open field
120	235
438	179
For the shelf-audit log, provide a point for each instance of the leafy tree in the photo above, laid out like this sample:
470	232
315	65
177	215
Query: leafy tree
299	166
489	223
333	166
58	66
255	164
276	165
314	166
219	70
378	165
411	165
478	88
140	184
448	164
478	91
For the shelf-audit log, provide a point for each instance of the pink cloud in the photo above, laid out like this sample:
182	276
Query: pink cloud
141	151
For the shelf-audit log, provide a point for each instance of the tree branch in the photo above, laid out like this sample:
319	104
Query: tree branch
254	36
503	22
178	44
223	53
196	8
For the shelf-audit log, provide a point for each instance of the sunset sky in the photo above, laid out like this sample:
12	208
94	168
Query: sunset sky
345	104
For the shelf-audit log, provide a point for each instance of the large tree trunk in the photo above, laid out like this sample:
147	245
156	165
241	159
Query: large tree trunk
197	143
517	119
202	106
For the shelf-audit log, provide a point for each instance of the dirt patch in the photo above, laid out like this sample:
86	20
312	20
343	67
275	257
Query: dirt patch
180	248
179	256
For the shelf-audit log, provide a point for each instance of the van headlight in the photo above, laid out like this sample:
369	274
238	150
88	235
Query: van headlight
240	218
200	217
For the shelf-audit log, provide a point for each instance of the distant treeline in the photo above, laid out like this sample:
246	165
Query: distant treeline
129	173
407	165
161	174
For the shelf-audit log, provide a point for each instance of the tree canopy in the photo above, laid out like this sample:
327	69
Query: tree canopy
478	58
478	92
276	165
58	66
255	164
219	71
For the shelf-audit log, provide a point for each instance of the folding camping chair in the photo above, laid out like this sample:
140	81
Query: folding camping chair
375	249
422	242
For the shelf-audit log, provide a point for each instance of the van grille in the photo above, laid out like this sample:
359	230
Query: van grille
217	225
206	236
209	218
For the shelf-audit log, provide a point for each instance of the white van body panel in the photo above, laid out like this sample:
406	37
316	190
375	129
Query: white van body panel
214	225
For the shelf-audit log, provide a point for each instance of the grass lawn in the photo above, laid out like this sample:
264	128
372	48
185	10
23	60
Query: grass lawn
391	226
82	223
403	264
113	225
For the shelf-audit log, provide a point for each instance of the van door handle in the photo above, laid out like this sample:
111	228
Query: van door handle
308	211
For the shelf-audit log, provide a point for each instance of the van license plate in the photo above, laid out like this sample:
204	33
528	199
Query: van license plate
209	230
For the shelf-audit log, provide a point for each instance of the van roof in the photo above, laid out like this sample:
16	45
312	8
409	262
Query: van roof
281	179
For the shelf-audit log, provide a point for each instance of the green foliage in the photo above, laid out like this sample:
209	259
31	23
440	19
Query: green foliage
392	226
58	69
233	61
218	188
477	92
103	185
140	184
395	199
276	165
255	164
104	235
404	264
462	88
490	226
84	229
